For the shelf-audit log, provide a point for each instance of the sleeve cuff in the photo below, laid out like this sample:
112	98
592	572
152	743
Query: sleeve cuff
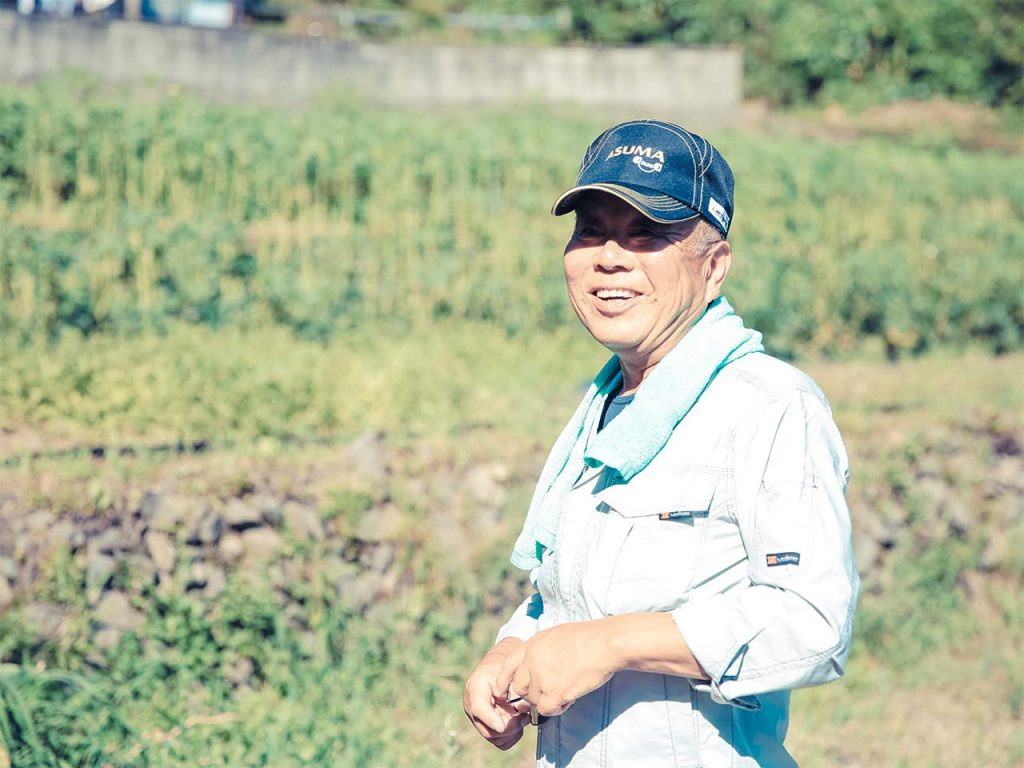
717	634
523	623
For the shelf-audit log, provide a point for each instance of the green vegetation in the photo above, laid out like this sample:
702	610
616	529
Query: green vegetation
360	312
125	217
284	669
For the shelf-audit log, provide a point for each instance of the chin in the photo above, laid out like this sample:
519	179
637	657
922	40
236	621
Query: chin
616	344
610	334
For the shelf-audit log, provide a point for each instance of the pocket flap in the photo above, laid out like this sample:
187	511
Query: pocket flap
675	495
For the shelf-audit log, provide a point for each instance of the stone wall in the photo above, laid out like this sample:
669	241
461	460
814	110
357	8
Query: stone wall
702	85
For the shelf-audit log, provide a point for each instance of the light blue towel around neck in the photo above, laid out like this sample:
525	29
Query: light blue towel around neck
628	444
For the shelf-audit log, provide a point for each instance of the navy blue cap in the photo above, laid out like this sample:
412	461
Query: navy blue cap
662	170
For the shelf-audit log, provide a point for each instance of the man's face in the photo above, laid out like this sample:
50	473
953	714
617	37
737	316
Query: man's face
638	285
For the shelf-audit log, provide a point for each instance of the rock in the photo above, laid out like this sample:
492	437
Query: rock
99	570
366	456
353	587
110	542
337	573
959	516
310	644
357	593
8	499
46	620
384	523
261	545
164	511
866	551
38	522
486	495
161	549
268	508
208	578
1008	472
63	534
9	569
486	484
872	526
294	616
239	672
379	558
273	573
107	638
930	465
239	515
996	553
196	576
207	530
976	589
930	530
933	491
142	572
295	574
216	582
116	612
6	594
231	547
302	521
77	540
1007	510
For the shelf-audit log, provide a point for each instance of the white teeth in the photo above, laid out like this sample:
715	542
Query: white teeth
615	293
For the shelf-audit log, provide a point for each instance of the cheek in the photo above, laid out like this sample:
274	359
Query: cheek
574	270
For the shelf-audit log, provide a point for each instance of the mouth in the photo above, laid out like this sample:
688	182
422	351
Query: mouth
614	295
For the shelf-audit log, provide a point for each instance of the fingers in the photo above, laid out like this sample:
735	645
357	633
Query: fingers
484	698
508	734
550	707
520	705
507	742
522	682
493	718
508	668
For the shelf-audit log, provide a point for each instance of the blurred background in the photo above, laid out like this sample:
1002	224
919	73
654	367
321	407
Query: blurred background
284	342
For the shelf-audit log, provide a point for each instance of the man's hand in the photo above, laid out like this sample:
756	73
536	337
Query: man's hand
484	701
557	666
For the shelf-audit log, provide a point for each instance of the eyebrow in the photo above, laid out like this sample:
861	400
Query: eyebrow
591	210
586	212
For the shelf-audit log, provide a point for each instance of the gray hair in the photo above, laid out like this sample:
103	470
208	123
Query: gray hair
706	236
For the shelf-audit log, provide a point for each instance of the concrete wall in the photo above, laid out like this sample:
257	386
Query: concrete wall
701	84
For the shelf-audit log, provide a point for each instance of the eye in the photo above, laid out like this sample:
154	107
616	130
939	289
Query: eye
644	233
587	232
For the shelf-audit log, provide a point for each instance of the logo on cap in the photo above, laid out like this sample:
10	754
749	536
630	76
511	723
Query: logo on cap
637	150
715	209
646	166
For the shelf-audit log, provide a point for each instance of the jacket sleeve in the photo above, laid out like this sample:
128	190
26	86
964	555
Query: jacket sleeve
789	625
523	623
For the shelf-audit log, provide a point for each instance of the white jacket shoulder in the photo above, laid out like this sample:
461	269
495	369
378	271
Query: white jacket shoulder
758	379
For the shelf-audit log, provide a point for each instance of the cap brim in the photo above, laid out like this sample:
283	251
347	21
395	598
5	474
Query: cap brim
654	205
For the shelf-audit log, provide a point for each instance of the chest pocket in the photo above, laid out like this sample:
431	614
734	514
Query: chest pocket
657	526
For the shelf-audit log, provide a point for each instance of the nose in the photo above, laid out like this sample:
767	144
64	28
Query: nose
612	256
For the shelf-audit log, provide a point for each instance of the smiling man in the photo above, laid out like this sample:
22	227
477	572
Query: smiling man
688	540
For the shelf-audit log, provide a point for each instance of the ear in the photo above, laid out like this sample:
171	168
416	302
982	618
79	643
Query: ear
716	267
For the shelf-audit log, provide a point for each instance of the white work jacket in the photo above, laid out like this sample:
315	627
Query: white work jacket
740	530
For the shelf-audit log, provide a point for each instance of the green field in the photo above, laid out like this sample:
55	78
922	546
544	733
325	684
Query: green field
342	334
123	216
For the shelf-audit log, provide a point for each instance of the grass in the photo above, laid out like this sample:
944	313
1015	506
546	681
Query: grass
126	216
334	686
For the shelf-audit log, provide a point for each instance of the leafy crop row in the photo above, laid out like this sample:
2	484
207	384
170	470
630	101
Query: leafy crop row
121	217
